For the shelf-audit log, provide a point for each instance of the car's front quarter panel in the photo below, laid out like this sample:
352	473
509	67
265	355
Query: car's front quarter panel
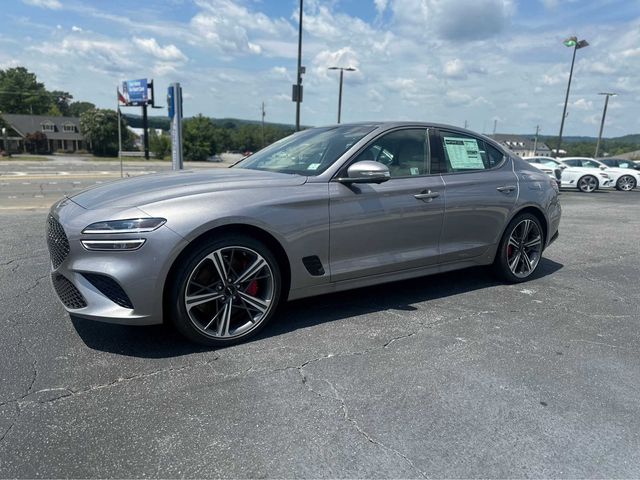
139	273
295	216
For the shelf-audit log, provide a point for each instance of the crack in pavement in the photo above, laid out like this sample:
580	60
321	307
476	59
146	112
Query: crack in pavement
347	418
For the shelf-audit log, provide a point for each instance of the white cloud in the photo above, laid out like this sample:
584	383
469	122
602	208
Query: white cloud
76	29
455	69
51	4
582	104
166	53
381	5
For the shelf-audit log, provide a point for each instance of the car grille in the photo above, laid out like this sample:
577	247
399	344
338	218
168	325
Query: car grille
67	292
558	173
109	288
57	242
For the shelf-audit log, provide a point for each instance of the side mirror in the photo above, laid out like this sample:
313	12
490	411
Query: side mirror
602	167
366	171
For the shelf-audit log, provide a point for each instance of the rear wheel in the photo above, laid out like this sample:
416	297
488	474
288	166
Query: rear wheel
520	249
588	184
626	183
225	291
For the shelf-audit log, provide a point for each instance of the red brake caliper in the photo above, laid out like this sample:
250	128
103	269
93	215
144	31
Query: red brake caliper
252	289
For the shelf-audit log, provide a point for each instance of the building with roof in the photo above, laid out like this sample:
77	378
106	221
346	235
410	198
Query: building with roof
522	145
62	133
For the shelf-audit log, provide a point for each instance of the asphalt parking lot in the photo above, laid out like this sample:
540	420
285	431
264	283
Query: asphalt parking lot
454	375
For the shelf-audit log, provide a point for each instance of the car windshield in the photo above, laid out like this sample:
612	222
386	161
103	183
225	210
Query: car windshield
309	152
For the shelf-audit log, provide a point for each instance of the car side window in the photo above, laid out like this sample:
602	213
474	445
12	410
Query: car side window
590	164
625	165
464	153
405	152
573	163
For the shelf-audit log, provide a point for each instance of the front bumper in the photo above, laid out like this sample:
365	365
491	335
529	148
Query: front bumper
123	287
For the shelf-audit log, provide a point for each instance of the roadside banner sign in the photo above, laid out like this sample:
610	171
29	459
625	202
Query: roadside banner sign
136	92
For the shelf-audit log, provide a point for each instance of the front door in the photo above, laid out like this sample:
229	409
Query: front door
392	226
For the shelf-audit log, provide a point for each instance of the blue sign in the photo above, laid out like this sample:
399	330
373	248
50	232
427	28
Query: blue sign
170	102
136	91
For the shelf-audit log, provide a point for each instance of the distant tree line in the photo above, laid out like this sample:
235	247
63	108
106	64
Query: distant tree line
22	93
587	148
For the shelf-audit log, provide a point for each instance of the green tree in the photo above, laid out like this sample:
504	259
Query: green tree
78	108
160	145
199	135
100	129
20	92
61	100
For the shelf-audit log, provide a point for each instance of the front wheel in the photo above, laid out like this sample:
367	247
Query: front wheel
225	291
588	184
626	183
520	249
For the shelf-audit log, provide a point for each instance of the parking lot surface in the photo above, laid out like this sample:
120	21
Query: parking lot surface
454	375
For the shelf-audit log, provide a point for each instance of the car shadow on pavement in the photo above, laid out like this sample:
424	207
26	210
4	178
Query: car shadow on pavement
163	341
398	296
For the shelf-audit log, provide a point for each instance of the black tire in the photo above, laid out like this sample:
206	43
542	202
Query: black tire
626	183
196	266
505	250
587	184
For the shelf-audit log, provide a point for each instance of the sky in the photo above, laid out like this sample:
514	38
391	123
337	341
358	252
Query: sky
479	62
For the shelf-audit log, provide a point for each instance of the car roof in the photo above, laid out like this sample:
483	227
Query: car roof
388	125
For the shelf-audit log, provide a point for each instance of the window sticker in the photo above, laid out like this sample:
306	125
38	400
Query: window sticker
463	153
313	166
414	171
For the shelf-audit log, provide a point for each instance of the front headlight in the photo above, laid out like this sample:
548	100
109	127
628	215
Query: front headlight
130	225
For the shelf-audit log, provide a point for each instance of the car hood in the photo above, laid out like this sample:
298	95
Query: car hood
146	189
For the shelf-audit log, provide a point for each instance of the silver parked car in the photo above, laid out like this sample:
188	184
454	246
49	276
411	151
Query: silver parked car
323	210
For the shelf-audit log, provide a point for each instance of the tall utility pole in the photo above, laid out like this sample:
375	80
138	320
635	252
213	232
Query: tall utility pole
263	114
297	91
604	114
495	125
535	142
576	44
466	124
342	69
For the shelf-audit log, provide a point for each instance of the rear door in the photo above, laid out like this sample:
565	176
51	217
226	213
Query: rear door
392	226
481	190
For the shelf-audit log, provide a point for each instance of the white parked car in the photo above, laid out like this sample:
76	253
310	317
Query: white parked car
622	179
551	169
585	179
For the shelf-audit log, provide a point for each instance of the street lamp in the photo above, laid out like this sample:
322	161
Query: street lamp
604	114
297	88
576	44
342	69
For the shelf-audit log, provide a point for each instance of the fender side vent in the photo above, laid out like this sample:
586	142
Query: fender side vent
313	265
109	288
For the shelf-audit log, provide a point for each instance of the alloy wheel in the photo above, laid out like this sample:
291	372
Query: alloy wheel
587	184
229	292
524	248
626	183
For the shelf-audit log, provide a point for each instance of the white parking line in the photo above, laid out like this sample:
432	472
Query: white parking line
76	183
53	183
26	183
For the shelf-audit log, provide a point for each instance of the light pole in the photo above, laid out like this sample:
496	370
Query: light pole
604	114
342	70
297	88
576	44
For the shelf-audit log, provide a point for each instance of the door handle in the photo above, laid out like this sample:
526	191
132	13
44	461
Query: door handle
427	196
506	189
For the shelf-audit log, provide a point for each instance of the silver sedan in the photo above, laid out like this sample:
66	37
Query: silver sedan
323	210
